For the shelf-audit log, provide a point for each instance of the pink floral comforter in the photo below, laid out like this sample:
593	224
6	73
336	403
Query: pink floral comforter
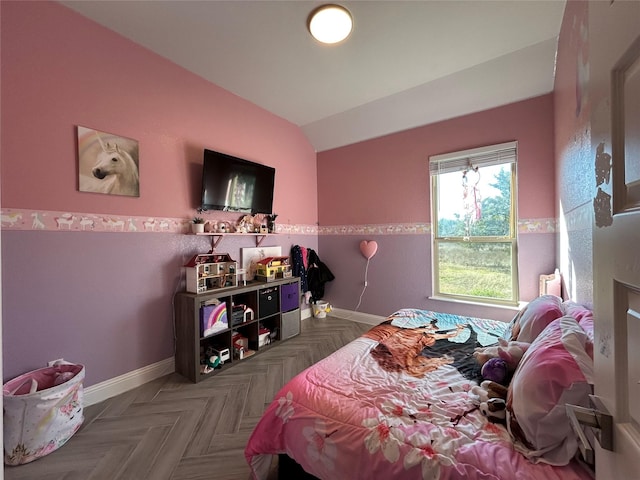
354	416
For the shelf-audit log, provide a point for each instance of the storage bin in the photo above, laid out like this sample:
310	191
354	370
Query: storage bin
213	318
42	410
290	324
289	297
268	302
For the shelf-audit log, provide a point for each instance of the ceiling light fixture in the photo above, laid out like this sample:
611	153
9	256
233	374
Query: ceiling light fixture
330	23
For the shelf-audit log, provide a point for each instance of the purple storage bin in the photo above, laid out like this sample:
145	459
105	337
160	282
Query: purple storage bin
289	298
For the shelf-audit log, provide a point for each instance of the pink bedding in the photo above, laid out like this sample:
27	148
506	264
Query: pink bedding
359	414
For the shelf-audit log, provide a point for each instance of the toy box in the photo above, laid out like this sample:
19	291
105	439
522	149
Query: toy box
213	318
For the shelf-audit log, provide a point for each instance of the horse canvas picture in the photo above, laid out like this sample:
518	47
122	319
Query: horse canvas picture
107	163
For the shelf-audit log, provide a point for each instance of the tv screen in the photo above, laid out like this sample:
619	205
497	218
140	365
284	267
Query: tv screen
236	185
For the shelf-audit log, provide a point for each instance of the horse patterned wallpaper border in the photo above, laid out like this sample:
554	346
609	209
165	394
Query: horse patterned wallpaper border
44	220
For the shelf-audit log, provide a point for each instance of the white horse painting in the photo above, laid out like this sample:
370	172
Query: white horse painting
117	170
107	166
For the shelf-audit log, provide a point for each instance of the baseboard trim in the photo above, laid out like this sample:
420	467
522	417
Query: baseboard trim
117	385
359	317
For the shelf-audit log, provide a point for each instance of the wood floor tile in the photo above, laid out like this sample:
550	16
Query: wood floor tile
172	429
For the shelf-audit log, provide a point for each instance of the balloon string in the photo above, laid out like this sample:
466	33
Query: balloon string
366	270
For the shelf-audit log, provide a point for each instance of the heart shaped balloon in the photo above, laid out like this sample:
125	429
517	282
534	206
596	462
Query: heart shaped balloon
368	248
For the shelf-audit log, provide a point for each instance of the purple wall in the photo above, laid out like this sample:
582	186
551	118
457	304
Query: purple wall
399	275
101	299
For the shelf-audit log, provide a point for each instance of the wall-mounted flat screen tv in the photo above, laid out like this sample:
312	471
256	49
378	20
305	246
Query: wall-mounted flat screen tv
233	184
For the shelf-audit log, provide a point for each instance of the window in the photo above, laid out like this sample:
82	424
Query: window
474	224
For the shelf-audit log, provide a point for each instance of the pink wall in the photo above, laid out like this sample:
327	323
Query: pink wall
61	70
387	179
379	190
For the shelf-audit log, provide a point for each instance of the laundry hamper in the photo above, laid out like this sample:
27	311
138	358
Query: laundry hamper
42	410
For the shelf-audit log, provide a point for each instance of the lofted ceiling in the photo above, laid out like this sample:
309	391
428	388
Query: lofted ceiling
406	64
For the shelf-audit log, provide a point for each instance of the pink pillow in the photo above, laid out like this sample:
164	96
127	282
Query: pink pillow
554	371
533	318
584	317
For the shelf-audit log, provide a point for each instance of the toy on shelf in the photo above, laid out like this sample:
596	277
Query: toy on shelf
273	268
241	314
213	318
208	271
264	336
211	358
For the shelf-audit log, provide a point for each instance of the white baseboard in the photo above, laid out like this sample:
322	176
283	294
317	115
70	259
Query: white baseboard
115	386
359	317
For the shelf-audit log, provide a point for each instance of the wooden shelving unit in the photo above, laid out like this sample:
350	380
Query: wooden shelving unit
275	306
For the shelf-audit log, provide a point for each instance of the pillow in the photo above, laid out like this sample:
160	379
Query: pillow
584	316
554	371
533	318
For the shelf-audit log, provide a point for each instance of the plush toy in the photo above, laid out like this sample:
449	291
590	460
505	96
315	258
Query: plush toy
510	352
491	400
495	369
245	224
495	409
488	389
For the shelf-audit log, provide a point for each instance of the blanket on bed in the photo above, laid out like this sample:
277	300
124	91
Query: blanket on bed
395	403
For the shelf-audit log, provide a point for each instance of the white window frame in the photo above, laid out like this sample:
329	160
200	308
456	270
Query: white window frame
458	162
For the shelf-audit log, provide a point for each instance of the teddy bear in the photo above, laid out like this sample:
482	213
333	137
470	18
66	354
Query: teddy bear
491	399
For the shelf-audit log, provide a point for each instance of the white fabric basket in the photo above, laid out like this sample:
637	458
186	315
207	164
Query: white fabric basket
42	410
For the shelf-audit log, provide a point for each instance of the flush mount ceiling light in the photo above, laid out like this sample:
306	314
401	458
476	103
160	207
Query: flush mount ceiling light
330	23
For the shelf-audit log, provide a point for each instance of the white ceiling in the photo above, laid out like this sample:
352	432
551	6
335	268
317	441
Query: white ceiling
407	63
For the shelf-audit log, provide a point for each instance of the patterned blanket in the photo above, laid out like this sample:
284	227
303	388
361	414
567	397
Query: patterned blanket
396	403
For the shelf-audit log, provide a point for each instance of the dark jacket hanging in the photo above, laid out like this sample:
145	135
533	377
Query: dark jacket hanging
317	275
298	267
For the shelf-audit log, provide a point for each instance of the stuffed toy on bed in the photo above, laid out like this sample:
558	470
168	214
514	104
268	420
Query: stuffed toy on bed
510	352
491	398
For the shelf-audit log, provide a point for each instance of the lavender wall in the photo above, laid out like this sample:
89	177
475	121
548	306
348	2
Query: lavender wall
101	294
102	299
574	165
385	183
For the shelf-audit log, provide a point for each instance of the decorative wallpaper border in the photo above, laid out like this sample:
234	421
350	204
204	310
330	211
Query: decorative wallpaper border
44	220
525	226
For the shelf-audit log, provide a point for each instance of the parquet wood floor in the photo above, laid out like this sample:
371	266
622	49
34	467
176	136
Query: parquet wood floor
172	429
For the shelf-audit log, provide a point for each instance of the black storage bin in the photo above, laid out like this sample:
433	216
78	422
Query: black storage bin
268	302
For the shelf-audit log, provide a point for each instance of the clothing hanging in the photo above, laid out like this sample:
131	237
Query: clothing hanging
318	274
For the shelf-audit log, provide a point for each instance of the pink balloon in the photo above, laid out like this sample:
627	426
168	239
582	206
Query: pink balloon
368	248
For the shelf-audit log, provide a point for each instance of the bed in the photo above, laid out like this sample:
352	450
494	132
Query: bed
403	401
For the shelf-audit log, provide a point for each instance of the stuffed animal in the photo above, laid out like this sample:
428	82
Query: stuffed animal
495	370
491	400
488	389
495	409
510	352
